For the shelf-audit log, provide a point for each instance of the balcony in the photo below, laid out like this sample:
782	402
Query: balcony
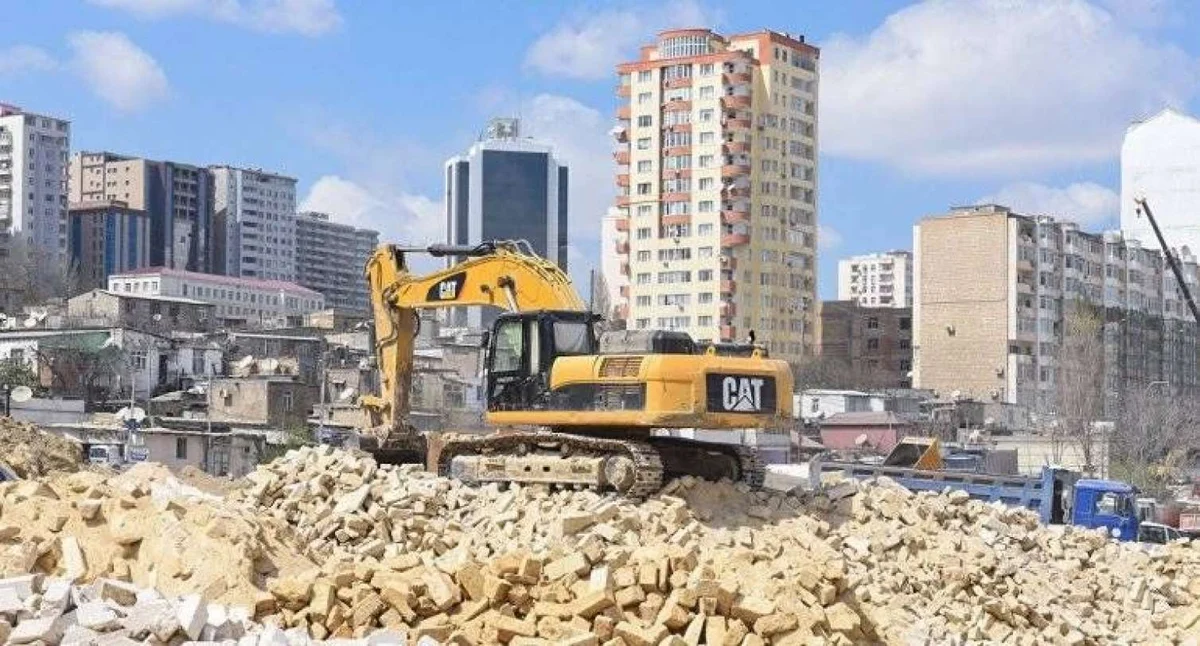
624	91
669	220
735	101
735	217
676	173
623	180
623	311
736	78
728	333
728	286
683	81
679	105
678	196
679	127
623	224
622	248
624	291
623	201
735	192
735	239
728	263
621	135
621	156
623	112
738	124
728	310
625	266
675	151
736	147
734	170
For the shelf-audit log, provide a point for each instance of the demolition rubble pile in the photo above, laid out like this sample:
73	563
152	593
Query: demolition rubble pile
699	563
324	544
32	452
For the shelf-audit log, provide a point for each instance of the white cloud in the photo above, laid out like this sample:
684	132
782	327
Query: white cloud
399	217
591	45
305	17
1086	203
993	86
117	70
19	59
828	237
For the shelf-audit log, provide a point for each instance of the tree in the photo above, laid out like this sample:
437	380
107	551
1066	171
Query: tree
30	278
821	372
1154	432
81	371
15	372
1080	381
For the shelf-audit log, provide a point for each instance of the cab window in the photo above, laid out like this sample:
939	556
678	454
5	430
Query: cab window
1111	504
572	338
509	343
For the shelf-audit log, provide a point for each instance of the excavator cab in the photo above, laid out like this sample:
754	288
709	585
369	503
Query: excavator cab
522	347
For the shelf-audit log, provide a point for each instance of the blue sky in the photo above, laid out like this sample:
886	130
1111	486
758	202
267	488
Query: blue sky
923	105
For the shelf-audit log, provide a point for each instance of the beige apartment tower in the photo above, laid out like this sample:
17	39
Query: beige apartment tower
993	290
716	224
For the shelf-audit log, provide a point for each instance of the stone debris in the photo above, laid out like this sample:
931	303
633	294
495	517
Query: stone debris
324	544
31	452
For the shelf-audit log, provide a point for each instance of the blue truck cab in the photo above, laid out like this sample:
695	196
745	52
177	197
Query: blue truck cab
1106	504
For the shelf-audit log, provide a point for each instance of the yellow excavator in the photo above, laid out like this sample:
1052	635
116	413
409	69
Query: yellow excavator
571	406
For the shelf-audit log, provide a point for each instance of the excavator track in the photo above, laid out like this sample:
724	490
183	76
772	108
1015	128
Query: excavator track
635	468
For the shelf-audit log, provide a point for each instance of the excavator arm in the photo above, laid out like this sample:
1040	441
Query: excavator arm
503	274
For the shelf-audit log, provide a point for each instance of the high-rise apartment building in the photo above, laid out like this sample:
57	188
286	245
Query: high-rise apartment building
1160	161
507	187
177	199
872	344
717	187
877	280
107	238
330	258
33	182
255	217
993	291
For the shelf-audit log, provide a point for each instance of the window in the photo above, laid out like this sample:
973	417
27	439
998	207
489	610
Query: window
705	206
904	344
706	114
644	121
507	352
138	359
287	400
704	275
181	448
707	92
644	76
705	297
644	98
706	69
643	255
645	166
643	278
643	301
905	323
669	277
645	209
872	344
704	252
642	324
643	143
704	321
706	137
706	161
643	233
704	229
643	188
705	183
872	323
1110	504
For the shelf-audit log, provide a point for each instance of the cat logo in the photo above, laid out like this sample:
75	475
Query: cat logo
740	394
447	289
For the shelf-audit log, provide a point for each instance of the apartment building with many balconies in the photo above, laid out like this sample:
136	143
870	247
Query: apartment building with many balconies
33	182
255	217
717	179
330	258
993	289
877	279
176	198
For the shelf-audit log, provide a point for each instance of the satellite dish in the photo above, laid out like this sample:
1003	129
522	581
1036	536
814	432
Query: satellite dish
30	321
157	317
955	395
244	362
9	324
269	366
861	440
39	315
21	394
974	436
364	363
136	414
347	394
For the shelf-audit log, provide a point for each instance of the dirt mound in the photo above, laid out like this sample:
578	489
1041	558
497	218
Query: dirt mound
32	452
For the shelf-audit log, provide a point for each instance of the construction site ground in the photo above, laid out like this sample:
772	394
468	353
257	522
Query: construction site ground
325	545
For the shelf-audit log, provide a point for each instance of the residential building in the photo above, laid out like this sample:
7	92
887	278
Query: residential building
280	402
1160	161
873	344
33	182
816	404
993	290
255	216
877	280
106	238
177	199
103	361
506	187
330	258
716	150
296	353
865	431
158	314
615	281
233	452
240	302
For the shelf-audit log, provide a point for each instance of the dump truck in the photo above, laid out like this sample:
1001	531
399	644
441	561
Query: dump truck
1059	496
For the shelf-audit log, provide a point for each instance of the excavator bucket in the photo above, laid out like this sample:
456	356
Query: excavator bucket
923	453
